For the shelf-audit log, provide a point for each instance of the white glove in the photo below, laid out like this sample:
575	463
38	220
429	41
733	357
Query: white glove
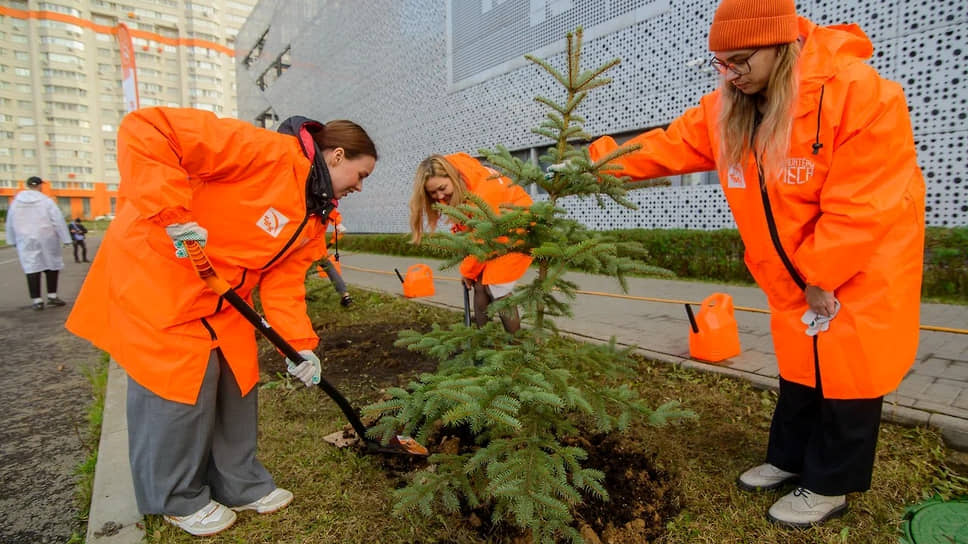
308	371
340	228
818	323
180	232
558	167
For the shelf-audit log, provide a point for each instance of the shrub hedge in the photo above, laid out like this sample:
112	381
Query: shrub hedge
717	255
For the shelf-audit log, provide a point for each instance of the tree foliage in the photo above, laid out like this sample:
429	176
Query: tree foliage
522	397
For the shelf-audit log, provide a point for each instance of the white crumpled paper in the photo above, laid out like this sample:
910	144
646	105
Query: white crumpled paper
818	323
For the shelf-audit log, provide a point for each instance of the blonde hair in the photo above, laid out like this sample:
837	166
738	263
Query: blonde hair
770	140
423	216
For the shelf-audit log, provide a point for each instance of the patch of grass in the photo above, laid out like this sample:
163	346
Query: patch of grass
345	497
97	377
730	435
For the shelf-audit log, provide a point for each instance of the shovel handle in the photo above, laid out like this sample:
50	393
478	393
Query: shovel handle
467	305
204	268
207	273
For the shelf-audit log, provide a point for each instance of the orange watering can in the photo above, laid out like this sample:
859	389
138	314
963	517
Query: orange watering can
714	335
419	281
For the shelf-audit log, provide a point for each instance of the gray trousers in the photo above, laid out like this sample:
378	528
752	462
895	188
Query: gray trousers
184	455
334	276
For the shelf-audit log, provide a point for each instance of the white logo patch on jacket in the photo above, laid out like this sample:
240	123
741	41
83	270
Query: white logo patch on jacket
272	222
735	178
798	171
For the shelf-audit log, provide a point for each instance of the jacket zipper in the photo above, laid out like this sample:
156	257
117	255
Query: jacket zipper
298	230
289	243
775	237
211	331
218	308
774	233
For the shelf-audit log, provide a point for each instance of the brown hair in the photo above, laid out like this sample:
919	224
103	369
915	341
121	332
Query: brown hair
737	118
420	204
346	134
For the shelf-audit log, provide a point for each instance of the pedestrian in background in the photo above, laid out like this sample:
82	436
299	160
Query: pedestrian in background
258	200
36	226
328	265
78	233
816	156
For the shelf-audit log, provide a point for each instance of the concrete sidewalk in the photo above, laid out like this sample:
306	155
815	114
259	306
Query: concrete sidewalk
934	393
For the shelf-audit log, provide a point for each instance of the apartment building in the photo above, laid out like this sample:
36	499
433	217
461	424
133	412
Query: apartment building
61	95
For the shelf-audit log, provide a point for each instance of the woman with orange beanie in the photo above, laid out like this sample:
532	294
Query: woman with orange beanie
446	180
258	200
816	157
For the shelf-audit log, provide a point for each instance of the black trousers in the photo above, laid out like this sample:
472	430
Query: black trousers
83	246
33	282
829	442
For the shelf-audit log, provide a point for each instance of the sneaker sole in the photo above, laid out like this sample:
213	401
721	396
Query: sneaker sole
835	513
256	510
203	533
747	487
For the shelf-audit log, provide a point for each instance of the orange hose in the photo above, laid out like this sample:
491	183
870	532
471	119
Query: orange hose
933	328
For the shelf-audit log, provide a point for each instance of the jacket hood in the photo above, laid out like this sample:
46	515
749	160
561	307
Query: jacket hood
30	196
828	49
319	186
467	165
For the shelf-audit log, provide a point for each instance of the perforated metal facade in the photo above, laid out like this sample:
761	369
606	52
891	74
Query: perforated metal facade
405	71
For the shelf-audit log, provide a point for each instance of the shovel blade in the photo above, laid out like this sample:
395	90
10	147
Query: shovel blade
409	445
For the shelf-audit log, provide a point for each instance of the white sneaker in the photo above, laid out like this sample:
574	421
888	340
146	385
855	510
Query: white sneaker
210	519
764	477
804	508
277	499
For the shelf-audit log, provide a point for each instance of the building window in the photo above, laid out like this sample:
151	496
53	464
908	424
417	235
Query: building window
278	66
256	51
267	119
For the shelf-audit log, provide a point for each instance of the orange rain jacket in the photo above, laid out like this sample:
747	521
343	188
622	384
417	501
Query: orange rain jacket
849	215
496	191
247	187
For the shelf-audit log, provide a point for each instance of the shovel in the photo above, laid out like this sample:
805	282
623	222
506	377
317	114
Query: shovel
399	444
467	305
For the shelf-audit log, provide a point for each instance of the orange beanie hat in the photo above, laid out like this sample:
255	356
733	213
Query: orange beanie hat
742	24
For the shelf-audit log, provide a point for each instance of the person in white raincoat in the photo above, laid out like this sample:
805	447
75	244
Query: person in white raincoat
36	226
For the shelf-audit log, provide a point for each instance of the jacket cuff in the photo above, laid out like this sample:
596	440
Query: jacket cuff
601	147
168	216
304	343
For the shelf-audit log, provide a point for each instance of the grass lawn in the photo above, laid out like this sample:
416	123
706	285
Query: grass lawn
345	497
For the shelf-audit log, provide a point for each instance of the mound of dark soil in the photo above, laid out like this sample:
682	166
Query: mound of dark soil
362	361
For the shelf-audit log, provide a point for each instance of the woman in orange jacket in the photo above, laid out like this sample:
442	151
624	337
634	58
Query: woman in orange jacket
447	180
259	200
816	157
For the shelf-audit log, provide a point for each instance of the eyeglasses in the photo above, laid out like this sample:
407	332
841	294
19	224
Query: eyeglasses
740	68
